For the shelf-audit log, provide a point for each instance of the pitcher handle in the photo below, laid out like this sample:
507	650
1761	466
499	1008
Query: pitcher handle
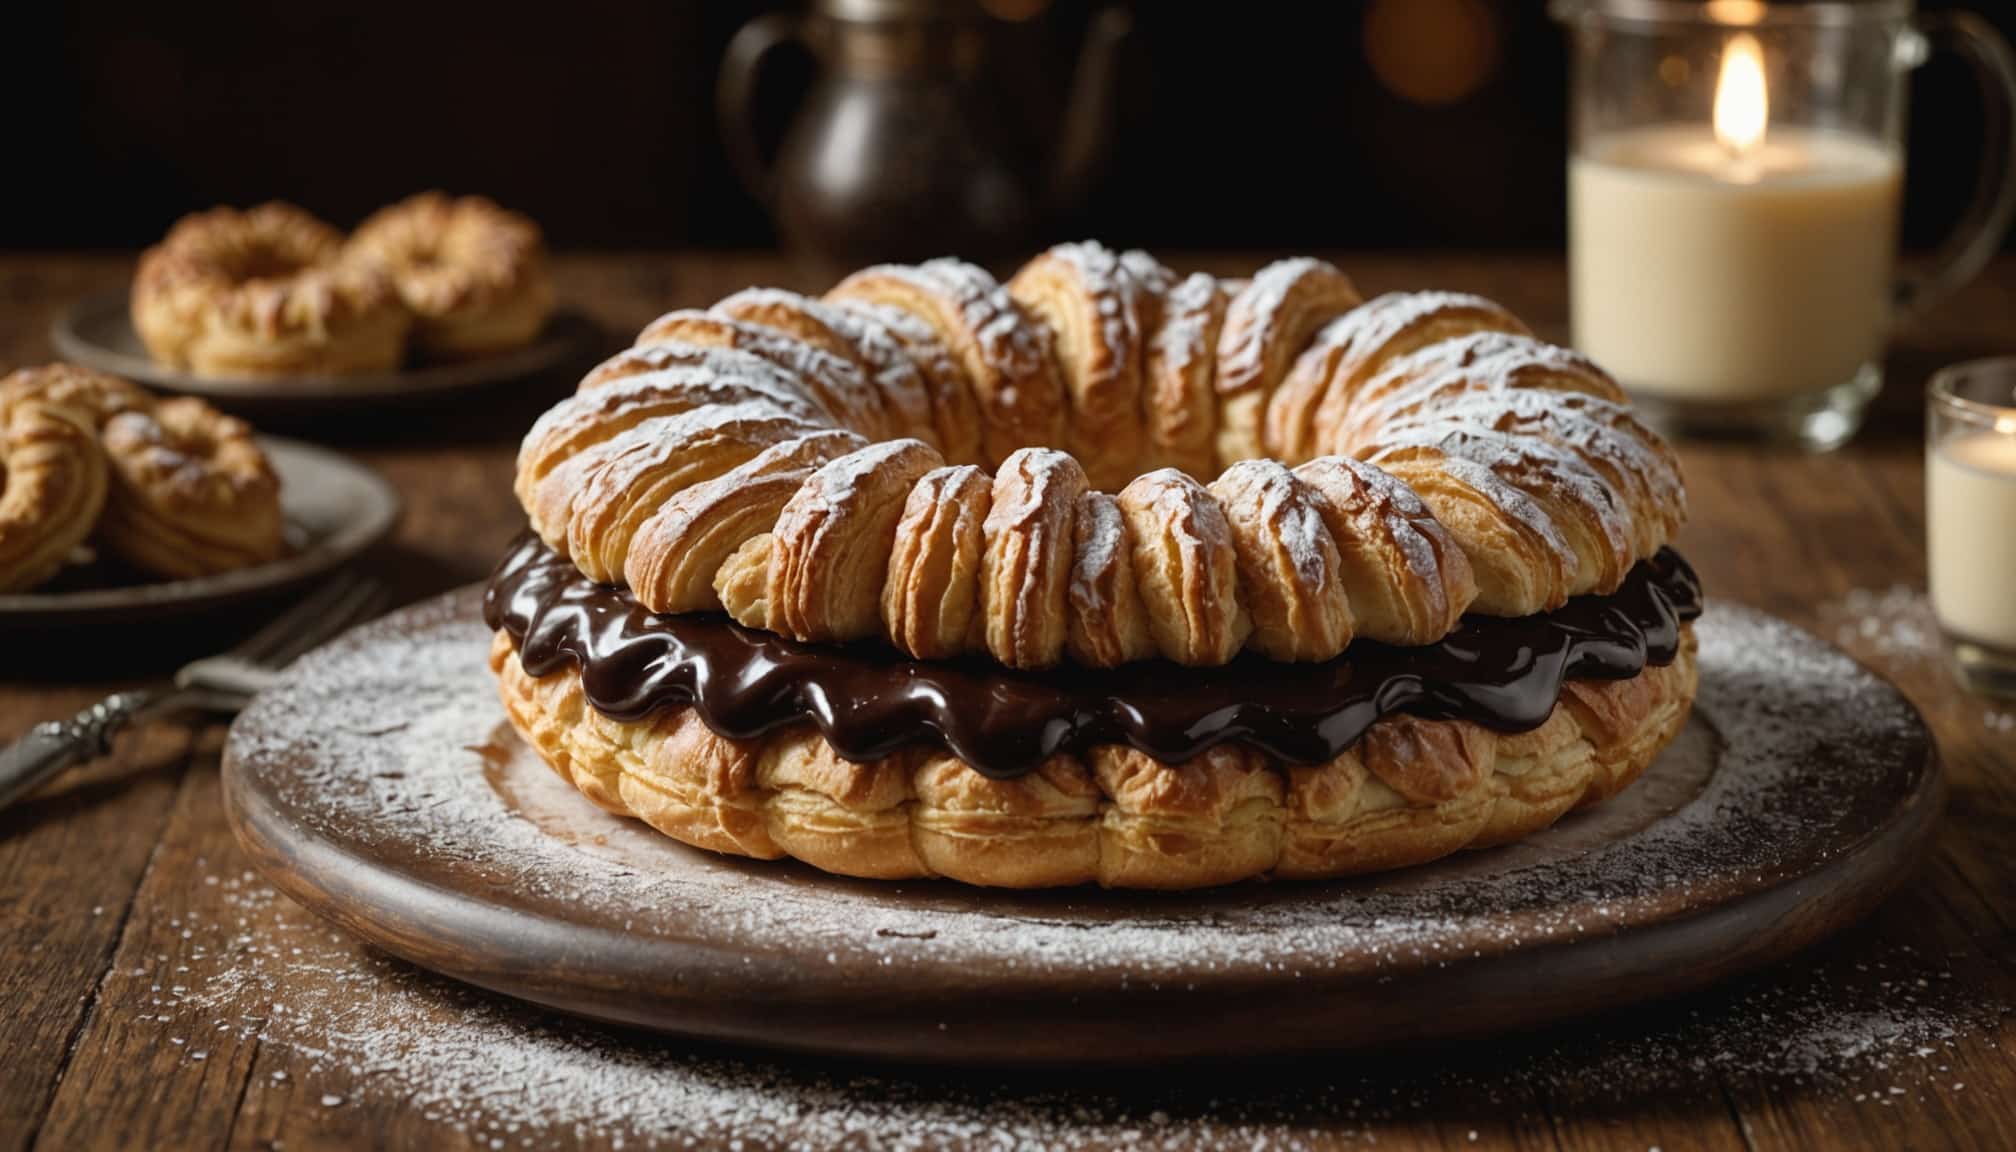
1978	235
736	89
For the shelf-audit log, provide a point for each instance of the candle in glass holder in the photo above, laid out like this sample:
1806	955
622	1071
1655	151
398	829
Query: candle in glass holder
1970	518
1724	262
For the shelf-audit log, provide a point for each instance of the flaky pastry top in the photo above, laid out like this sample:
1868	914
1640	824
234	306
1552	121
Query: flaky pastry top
954	464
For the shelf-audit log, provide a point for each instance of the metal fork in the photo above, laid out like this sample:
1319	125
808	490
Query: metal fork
221	683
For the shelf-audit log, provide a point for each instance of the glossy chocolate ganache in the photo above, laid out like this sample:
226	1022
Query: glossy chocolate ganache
870	700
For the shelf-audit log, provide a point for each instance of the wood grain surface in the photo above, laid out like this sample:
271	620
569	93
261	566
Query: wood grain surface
122	884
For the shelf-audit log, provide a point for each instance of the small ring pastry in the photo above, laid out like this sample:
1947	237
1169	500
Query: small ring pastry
192	495
1290	572
264	293
52	487
60	385
931	598
473	274
1186	567
1093	307
1267	326
1349	350
1006	354
1025	569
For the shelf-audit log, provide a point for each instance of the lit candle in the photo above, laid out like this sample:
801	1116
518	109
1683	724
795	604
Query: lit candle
1734	260
1970	518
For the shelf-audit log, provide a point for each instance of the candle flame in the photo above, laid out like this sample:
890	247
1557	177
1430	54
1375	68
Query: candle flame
1742	106
1736	12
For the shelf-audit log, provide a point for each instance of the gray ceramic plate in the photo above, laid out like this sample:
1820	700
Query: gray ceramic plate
336	508
98	333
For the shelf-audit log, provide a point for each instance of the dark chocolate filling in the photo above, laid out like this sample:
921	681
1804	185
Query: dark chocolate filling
870	700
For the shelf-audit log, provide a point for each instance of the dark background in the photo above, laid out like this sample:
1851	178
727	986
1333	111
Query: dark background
1247	124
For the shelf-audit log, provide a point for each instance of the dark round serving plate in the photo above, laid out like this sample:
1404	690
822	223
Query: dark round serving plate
98	333
380	786
335	507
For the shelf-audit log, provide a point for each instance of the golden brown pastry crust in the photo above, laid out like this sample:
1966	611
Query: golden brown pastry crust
821	568
52	488
473	274
931	598
1318	391
264	293
896	384
1179	395
1186	568
1267	325
1411	791
193	494
1094	308
1006	354
189	491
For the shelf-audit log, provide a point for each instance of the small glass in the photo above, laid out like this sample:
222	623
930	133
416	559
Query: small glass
1970	518
1734	177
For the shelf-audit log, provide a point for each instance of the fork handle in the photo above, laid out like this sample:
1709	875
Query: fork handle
52	746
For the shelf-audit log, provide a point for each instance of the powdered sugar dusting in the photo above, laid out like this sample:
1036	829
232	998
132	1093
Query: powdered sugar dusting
1560	482
1254	316
897	377
667	378
1012	344
1188	311
1601	433
1283	507
1112	290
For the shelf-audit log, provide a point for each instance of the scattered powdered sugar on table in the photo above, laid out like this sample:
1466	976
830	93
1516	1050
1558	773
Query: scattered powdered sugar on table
481	1064
350	1024
1895	629
1894	623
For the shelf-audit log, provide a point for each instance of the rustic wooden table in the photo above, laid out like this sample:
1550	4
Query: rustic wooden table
153	993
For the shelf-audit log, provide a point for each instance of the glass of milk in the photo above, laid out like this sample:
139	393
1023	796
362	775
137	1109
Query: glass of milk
1970	518
1733	187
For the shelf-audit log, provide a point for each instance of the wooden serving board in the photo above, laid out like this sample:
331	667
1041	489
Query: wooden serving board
380	786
